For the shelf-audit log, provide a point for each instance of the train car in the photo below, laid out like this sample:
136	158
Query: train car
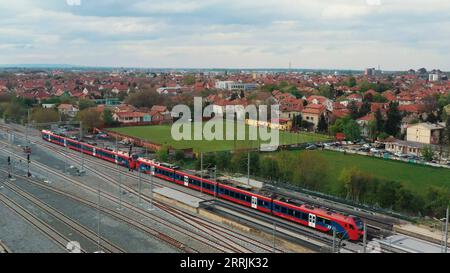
189	180
349	227
119	157
245	197
154	169
53	138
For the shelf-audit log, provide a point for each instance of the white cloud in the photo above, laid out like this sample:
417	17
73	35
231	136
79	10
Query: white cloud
220	33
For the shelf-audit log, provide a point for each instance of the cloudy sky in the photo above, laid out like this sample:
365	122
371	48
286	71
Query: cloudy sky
341	34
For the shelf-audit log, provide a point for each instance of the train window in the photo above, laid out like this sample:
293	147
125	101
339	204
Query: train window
305	216
283	209
327	222
351	227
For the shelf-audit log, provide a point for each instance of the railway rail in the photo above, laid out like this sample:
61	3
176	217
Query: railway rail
110	167
107	245
44	228
221	246
226	235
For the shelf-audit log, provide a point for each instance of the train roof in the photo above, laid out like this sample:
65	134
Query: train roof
120	153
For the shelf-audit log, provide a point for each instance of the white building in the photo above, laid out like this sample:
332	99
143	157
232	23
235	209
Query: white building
235	86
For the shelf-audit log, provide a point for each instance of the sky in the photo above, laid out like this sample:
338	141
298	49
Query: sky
328	34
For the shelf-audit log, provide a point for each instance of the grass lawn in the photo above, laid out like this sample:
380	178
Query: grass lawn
412	176
162	135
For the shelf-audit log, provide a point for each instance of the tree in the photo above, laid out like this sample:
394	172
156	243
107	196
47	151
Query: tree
15	112
189	79
179	155
351	82
365	109
387	193
223	160
326	91
239	162
355	183
269	168
379	121
437	200
163	154
43	115
379	98
352	130
347	126
311	171
146	98
322	125
372	129
354	110
108	119
90	118
85	104
427	153
447	130
394	119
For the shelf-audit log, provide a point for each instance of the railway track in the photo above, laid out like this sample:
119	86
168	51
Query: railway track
220	246
225	235
110	212
112	168
106	245
4	248
40	225
366	215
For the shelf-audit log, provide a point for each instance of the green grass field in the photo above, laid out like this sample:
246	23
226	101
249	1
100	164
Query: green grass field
415	177
162	135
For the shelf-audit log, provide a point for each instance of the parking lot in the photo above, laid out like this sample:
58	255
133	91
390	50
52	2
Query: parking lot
377	150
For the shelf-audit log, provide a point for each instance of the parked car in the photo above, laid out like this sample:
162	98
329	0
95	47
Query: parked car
311	147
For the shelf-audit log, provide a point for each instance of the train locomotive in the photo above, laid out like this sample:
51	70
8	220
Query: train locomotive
324	220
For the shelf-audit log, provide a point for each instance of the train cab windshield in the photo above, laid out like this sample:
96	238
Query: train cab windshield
359	223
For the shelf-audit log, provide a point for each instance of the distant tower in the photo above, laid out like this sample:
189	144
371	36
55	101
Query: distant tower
290	67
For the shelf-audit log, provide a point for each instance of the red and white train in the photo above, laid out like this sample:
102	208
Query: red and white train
350	227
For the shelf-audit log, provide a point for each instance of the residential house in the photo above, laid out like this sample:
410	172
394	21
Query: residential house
67	110
427	133
321	100
313	112
290	108
364	122
132	118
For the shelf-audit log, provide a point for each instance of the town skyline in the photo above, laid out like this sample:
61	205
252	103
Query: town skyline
349	35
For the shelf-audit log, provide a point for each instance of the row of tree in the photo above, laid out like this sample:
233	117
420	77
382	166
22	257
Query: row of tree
364	188
310	170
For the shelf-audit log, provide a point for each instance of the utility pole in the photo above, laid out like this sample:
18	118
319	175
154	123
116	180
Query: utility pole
334	241
248	168
9	167
26	126
28	165
274	229
365	238
120	175
99	221
446	231
151	189
82	154
201	172
140	182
